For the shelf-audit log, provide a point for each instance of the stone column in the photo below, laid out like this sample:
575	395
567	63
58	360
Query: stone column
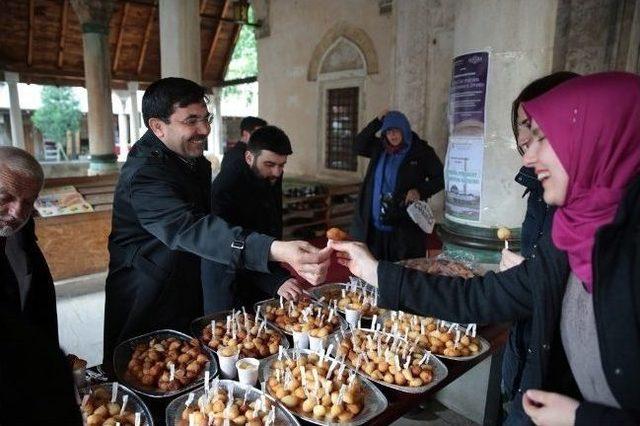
180	39
123	126
94	18
15	113
516	60
420	86
134	121
215	140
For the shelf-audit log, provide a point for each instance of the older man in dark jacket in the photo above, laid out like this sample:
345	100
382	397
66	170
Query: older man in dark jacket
248	193
403	169
162	226
28	320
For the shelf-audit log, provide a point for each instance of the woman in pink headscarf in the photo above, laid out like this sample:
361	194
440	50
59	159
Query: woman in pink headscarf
582	290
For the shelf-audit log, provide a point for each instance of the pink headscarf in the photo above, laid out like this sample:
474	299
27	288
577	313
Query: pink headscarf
593	125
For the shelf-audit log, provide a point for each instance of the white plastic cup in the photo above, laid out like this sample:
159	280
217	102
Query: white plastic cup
300	339
228	366
317	344
352	316
247	371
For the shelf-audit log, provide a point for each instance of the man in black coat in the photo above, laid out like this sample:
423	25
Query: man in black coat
162	224
248	193
30	349
235	153
403	169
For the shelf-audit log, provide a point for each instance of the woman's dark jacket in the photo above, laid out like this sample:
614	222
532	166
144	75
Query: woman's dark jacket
537	222
535	289
421	170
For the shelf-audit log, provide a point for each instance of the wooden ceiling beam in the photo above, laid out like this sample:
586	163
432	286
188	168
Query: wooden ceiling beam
63	31
203	6
227	59
116	59
216	36
147	35
31	29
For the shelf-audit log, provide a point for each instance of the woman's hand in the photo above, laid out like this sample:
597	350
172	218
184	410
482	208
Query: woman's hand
509	260
382	114
412	196
357	257
549	409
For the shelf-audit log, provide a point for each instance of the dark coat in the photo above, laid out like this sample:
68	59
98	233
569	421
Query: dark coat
161	228
30	368
27	263
535	290
242	199
537	222
421	169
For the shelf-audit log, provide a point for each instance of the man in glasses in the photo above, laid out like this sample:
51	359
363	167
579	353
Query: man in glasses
162	226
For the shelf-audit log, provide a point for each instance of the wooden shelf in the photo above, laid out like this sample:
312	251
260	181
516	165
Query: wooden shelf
335	210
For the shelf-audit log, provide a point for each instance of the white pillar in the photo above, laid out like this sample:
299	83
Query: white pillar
180	39
514	61
215	137
15	113
123	126
134	121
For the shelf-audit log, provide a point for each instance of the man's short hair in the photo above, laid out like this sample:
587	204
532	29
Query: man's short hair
270	138
161	96
250	124
21	162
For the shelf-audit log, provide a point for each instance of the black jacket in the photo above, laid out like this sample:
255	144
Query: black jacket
537	222
26	262
161	228
421	169
535	289
242	199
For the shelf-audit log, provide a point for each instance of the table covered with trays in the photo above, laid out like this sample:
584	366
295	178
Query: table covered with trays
399	402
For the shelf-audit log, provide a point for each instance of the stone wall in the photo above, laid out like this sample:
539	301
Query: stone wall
289	57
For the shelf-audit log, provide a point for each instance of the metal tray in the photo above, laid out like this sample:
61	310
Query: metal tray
122	356
484	344
175	407
320	291
343	322
201	323
440	371
134	403
375	401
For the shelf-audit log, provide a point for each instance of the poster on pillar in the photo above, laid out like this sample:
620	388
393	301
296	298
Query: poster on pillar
465	152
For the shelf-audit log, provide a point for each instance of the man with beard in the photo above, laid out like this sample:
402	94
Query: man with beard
28	320
248	193
162	226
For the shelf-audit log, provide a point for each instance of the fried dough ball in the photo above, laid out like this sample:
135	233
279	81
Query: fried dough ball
238	412
300	395
150	363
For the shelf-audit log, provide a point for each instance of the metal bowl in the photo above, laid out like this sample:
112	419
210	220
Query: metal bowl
321	291
199	324
283	416
374	400
440	371
275	302
134	403
122	356
484	344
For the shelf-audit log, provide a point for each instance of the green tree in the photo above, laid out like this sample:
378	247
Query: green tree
244	62
60	112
